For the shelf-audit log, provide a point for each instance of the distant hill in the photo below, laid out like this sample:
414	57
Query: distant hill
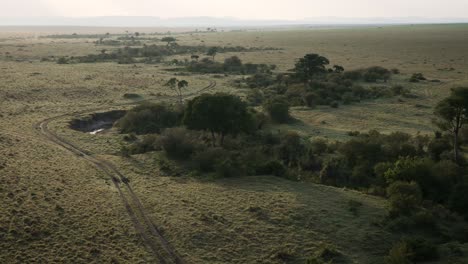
146	21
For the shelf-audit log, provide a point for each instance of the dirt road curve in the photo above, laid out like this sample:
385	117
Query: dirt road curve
148	231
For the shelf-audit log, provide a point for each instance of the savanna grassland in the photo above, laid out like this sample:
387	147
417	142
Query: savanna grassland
57	207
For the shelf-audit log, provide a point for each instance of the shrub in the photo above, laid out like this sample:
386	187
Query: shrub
291	149
416	77
146	144
131	96
353	75
326	253
335	172
319	146
412	250
62	60
458	200
348	98
255	97
272	167
399	90
421	250
399	254
310	99
334	104
177	143
373	74
149	118
206	160
278	109
227	168
405	198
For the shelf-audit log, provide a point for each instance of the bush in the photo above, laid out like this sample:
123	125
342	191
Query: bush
149	118
319	146
421	250
278	109
458	200
272	167
334	104
405	198
399	90
335	172
206	160
399	254
227	168
326	253
177	143
146	144
310	99
62	60
416	77
373	74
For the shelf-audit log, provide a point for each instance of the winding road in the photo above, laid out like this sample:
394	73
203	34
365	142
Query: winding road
147	230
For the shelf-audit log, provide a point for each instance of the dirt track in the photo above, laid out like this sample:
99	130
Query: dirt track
148	231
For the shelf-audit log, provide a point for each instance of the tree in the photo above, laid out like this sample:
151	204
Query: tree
452	113
233	64
178	87
212	52
219	113
278	109
169	40
195	57
310	66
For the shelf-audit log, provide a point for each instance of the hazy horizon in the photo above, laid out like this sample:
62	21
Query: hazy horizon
292	10
207	21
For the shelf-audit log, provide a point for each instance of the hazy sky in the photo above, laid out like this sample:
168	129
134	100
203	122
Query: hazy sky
246	9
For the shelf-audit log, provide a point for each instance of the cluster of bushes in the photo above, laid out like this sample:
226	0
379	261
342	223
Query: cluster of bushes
412	250
417	77
149	118
146	53
113	42
78	36
218	135
232	65
311	83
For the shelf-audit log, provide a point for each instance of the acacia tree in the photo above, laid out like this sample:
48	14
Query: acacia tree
452	113
169	40
309	66
212	52
220	114
178	87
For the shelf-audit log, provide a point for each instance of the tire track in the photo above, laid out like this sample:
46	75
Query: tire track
149	232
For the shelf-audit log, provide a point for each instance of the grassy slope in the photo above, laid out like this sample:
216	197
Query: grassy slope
235	220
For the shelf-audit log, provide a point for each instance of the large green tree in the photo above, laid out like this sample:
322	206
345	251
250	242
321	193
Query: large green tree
452	113
309	66
220	114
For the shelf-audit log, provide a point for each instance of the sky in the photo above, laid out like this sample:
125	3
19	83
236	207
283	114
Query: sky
243	9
